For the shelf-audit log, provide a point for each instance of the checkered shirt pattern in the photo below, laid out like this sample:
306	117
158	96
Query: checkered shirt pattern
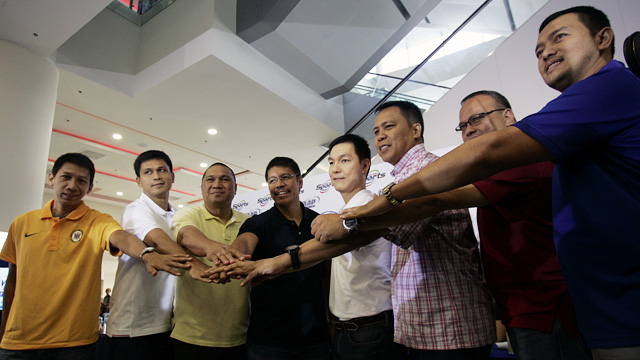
440	298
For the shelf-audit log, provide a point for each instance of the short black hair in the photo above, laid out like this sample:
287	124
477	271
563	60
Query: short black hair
409	110
594	19
360	145
220	164
500	100
151	155
282	161
76	159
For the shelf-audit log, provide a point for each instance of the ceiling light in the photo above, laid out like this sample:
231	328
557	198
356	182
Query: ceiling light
265	184
203	165
212	131
180	206
117	136
119	193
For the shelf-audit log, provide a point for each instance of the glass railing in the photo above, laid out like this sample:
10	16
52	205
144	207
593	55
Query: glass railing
454	38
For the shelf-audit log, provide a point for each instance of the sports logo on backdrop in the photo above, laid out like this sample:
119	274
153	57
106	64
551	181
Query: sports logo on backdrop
264	200
240	205
373	175
324	187
311	202
253	212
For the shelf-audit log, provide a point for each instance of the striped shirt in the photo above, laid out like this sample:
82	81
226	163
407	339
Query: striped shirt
440	298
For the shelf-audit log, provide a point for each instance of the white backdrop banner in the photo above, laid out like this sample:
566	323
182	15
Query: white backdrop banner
317	193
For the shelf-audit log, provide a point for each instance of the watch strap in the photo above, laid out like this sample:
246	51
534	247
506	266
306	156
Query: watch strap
146	251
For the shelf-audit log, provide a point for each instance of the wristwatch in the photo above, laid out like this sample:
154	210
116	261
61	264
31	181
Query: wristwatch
147	250
390	198
293	251
351	225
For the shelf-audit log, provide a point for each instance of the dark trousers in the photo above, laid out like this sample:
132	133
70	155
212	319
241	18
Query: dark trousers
364	338
184	351
149	347
87	352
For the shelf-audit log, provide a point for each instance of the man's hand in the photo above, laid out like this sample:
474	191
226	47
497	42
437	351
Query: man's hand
257	272
328	228
379	205
158	262
198	271
219	253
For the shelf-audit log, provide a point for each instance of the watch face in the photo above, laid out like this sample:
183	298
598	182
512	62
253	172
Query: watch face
291	248
351	223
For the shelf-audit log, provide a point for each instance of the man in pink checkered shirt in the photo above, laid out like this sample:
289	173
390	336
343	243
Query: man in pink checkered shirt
441	303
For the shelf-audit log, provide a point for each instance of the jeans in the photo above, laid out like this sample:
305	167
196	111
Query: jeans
301	352
531	344
626	353
368	342
86	352
480	353
149	347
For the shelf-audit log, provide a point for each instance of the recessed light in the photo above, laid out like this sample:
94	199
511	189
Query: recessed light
180	206
119	193
265	184
203	165
116	136
212	131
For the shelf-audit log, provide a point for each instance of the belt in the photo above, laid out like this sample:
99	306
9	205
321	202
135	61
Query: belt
355	323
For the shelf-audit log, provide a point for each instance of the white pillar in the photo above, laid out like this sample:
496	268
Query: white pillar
28	90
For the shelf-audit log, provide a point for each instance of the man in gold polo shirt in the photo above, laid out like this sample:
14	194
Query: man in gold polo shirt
210	321
52	294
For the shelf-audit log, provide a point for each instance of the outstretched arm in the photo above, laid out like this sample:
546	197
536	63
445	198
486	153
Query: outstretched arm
165	245
132	246
200	245
474	160
329	227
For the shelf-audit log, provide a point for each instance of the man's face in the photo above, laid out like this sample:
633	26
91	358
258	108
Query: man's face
497	120
155	178
70	184
284	185
567	53
394	136
218	186
348	173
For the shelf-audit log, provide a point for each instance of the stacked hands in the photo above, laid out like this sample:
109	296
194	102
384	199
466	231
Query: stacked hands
230	263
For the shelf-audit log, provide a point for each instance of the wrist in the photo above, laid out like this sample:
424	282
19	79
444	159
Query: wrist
145	251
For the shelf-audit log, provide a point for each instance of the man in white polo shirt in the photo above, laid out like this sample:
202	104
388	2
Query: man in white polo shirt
141	307
360	290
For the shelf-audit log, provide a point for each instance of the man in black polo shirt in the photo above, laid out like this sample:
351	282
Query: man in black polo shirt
288	314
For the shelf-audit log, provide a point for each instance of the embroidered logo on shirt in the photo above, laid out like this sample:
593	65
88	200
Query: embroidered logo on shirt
76	236
27	235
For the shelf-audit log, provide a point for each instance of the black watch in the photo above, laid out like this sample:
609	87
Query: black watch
351	225
293	251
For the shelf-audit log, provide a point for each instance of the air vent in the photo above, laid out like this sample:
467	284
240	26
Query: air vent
92	154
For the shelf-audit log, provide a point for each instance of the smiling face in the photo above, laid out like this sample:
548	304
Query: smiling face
568	53
394	135
284	185
348	173
218	187
497	120
70	184
155	178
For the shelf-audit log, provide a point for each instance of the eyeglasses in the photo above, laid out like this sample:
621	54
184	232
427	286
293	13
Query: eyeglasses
283	178
474	119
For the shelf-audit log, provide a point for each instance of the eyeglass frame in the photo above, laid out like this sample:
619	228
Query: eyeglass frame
284	178
474	119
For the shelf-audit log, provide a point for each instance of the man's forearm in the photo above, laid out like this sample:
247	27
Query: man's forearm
194	241
474	160
314	251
